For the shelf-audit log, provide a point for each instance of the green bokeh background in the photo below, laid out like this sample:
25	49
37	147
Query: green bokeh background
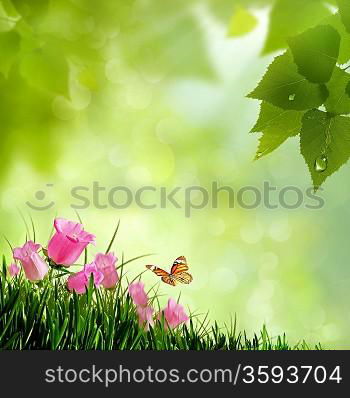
153	93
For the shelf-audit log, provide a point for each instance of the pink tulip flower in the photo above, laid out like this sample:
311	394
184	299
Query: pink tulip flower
138	294
106	264
69	241
13	270
91	269
35	268
79	281
174	314
145	316
140	299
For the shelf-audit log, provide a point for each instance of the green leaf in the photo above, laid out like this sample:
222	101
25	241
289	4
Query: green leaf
272	115
344	51
316	52
290	17
8	16
344	10
241	23
338	101
9	47
47	70
347	89
284	87
324	139
277	125
222	9
32	11
113	238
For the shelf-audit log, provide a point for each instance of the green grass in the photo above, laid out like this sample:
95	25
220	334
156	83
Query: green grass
46	316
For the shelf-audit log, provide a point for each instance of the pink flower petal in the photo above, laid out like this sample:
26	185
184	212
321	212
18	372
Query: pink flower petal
106	264
77	282
68	243
138	294
91	269
13	270
35	268
67	227
175	314
145	315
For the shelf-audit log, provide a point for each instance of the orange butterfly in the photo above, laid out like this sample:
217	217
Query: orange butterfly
177	274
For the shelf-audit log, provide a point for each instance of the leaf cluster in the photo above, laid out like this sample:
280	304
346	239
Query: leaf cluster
306	90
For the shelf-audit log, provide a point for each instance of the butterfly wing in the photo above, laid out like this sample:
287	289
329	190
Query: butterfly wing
157	271
169	280
178	272
183	277
179	266
165	276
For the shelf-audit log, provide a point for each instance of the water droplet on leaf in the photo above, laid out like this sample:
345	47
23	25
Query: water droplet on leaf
291	97
321	164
